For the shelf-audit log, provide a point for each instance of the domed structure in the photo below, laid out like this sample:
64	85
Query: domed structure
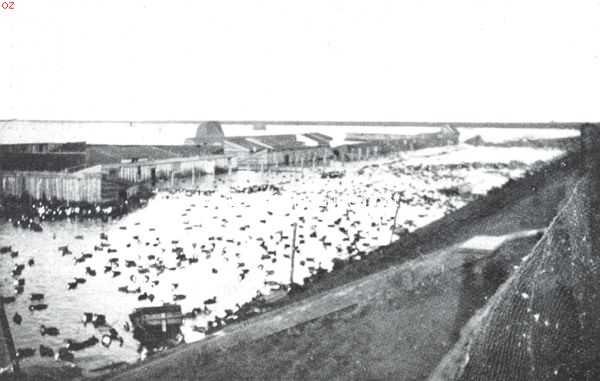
208	134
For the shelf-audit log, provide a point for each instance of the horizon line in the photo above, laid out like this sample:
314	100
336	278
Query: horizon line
550	124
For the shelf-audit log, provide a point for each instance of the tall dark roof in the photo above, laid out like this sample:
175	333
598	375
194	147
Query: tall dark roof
208	133
210	129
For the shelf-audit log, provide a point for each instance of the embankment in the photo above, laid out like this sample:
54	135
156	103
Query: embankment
543	322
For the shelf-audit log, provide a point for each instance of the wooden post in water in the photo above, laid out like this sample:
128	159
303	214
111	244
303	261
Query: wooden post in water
193	176
293	254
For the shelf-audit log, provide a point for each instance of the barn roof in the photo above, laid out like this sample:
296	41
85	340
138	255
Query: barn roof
243	141
108	153
320	139
275	142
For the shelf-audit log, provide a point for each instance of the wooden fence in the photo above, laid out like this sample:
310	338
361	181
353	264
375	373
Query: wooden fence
63	186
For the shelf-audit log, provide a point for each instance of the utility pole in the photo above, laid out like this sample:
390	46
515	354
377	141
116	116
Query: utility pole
398	198
293	254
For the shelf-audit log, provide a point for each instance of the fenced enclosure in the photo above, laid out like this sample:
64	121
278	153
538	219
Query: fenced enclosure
62	186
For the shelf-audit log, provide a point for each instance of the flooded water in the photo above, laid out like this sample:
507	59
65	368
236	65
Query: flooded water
242	243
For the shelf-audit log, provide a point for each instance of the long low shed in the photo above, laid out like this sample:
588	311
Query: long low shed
63	186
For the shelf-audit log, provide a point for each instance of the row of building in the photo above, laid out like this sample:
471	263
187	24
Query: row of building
78	171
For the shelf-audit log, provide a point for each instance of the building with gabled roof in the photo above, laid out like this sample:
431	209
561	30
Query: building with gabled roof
282	149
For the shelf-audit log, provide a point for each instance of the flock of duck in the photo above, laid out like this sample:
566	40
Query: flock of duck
54	210
37	304
244	230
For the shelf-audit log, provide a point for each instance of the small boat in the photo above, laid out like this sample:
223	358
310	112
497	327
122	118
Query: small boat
157	326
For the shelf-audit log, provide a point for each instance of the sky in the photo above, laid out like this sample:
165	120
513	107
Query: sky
409	60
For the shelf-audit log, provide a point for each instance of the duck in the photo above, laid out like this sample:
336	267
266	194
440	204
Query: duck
50	331
17	270
17	319
36	296
25	352
72	285
110	336
64	250
38	307
64	355
87	317
80	345
99	320
46	351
